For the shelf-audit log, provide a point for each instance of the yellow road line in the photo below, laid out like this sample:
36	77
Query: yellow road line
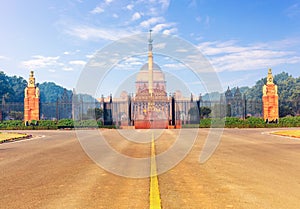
155	202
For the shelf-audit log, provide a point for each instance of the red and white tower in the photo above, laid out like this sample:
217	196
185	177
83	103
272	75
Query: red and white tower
270	100
31	101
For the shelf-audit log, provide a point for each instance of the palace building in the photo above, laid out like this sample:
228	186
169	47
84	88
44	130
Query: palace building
151	103
235	103
151	106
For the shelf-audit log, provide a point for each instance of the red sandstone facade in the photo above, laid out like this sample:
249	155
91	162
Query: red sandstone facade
270	100
31	101
152	111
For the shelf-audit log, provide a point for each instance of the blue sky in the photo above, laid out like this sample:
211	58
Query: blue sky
241	39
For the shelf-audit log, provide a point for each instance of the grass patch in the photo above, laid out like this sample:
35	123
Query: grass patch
11	136
291	133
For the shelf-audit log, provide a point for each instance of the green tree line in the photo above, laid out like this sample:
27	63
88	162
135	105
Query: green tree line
12	90
288	94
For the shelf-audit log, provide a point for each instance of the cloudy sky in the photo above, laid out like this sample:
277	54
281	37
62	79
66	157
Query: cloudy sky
241	39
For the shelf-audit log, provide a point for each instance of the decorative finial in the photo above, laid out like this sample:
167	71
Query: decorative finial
150	41
270	76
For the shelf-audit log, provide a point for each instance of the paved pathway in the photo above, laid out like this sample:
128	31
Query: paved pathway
248	170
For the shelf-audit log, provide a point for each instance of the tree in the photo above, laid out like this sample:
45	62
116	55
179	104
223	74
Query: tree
5	89
51	92
98	113
18	84
218	111
16	115
94	113
288	94
204	112
194	114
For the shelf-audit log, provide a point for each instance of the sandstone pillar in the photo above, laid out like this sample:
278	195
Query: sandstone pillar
31	101
270	100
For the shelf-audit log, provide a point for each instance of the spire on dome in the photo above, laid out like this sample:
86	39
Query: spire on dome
150	64
150	42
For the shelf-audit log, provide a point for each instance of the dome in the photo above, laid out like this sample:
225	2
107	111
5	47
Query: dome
143	75
154	67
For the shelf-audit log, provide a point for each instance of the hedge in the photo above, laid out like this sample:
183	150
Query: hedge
251	122
229	122
50	124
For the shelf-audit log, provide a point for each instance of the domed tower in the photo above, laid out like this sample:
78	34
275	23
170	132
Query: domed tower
270	100
142	78
31	101
151	104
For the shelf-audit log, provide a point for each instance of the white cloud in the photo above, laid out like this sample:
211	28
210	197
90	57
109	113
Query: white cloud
136	16
89	56
153	20
182	50
3	57
165	28
155	7
97	10
293	10
158	24
40	61
160	46
71	52
129	7
160	27
164	4
52	64
67	69
237	81
215	48
100	8
130	63
170	31
128	66
77	62
108	1
93	33
174	66
230	56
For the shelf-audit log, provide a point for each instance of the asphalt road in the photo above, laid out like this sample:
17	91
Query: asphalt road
249	169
